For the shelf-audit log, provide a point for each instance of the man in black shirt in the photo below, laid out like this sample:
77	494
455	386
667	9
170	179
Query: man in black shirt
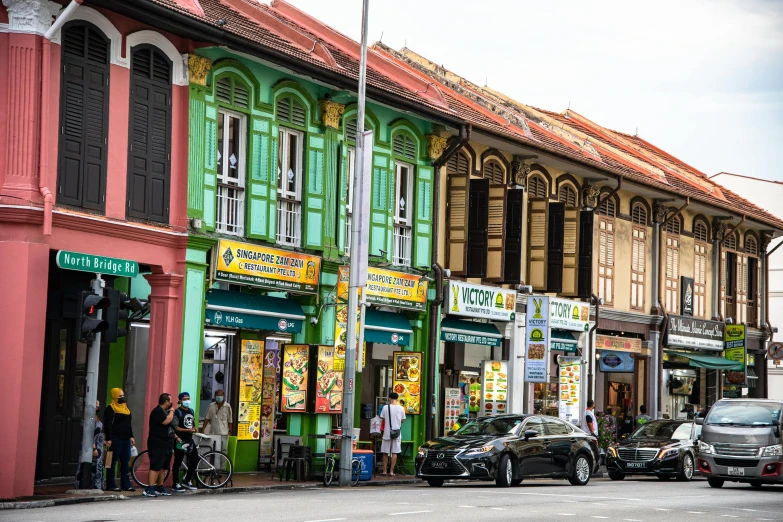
159	443
187	426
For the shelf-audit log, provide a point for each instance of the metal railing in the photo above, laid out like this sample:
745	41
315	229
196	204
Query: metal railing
403	238
348	233
289	222
230	218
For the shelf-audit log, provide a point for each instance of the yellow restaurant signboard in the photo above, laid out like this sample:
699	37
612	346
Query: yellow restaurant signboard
388	288
266	267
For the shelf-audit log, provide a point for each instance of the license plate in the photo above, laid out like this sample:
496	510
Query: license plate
439	464
636	465
737	472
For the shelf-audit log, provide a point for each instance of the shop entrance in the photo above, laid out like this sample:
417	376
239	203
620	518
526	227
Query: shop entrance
619	395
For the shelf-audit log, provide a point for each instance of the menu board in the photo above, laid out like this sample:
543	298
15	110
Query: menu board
537	339
269	399
329	381
494	387
294	366
570	388
251	390
471	391
451	408
735	350
407	381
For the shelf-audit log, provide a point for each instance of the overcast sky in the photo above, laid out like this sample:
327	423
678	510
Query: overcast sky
702	79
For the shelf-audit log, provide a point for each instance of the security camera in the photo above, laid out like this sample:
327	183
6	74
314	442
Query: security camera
525	289
313	320
446	272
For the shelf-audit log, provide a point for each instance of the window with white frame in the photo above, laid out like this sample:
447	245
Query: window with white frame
403	215
349	204
289	187
231	163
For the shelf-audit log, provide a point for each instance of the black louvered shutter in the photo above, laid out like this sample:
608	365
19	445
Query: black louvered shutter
150	136
513	250
84	117
554	257
585	268
478	227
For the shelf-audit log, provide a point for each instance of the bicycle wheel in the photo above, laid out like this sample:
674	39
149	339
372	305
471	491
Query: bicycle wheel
328	470
140	469
356	471
214	469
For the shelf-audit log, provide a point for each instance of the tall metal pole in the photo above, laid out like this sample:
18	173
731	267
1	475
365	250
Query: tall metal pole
358	272
90	396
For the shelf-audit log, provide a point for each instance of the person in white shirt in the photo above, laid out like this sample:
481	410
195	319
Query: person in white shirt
219	419
393	415
591	423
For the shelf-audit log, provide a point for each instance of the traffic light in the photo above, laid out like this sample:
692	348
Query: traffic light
89	324
119	310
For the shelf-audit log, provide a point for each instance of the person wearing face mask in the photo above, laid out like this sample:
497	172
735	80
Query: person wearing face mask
219	419
118	438
626	427
184	431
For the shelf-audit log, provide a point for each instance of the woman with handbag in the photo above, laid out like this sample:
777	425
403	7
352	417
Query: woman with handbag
393	415
118	435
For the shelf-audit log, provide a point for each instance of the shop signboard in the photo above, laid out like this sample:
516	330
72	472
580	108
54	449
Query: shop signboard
736	351
494	387
96	264
341	338
295	368
570	388
451	408
618	344
694	333
251	390
407	380
329	382
615	362
268	400
536	338
387	288
569	315
266	267
686	296
483	302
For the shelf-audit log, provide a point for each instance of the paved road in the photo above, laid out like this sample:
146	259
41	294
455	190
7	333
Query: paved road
629	501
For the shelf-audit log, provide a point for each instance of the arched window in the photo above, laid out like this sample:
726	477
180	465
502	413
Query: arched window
701	231
672	294
607	212
751	245
638	255
701	238
748	281
404	146
405	149
567	195
494	172
731	242
537	187
458	163
608	207
291	110
639	215
673	226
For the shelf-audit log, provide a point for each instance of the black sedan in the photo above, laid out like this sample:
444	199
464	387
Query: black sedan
508	448
663	448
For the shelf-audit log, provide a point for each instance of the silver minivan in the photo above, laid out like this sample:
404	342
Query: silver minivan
741	442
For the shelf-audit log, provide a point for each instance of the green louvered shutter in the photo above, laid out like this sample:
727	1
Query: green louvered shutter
210	166
392	207
331	180
342	188
314	196
379	209
272	161
258	181
422	226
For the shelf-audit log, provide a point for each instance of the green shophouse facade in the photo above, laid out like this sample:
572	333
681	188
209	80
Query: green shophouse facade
247	120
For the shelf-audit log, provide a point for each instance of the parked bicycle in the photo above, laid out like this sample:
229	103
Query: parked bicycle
213	471
332	466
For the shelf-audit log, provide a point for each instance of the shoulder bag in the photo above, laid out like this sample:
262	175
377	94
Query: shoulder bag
393	434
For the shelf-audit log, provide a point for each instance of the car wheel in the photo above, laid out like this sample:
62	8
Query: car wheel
581	474
686	470
505	472
715	483
616	476
516	482
435	483
756	484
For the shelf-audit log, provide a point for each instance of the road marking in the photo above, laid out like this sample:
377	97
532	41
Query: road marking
561	495
327	520
497	509
746	509
695	512
661	509
597	516
631	520
598	504
567	514
730	516
407	513
469	507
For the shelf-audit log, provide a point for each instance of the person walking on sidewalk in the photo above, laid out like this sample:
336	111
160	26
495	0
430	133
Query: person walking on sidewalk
394	415
118	437
159	443
219	419
185	446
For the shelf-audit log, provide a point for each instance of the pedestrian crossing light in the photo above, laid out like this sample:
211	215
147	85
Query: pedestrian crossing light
89	323
119	310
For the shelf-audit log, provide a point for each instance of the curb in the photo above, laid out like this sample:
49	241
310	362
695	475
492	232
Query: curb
30	504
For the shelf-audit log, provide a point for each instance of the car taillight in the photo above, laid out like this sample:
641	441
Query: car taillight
704	466
772	470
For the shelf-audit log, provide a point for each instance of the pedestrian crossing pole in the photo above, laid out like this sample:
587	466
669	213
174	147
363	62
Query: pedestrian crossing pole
91	395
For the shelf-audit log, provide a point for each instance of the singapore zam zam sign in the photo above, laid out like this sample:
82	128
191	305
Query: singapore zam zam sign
691	332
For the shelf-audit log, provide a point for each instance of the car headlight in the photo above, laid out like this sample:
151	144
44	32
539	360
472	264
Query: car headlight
706	448
772	451
612	451
479	451
422	452
667	453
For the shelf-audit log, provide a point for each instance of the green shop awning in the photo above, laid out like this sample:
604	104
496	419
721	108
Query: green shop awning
562	340
469	332
386	328
710	362
253	312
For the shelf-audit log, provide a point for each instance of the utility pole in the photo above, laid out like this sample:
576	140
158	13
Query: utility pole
358	274
91	393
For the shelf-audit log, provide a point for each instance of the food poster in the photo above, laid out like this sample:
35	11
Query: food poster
294	367
341	339
329	381
407	380
251	390
569	389
270	390
536	339
471	390
494	387
452	403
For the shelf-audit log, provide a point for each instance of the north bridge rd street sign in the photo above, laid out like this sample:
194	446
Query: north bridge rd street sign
97	264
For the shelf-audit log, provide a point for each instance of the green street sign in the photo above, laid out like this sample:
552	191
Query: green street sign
98	264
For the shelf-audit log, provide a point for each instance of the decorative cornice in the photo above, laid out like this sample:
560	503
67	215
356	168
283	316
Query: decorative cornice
101	226
435	146
590	195
331	111
519	171
198	68
202	243
30	16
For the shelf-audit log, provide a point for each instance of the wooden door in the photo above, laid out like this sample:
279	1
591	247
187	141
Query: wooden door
478	223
